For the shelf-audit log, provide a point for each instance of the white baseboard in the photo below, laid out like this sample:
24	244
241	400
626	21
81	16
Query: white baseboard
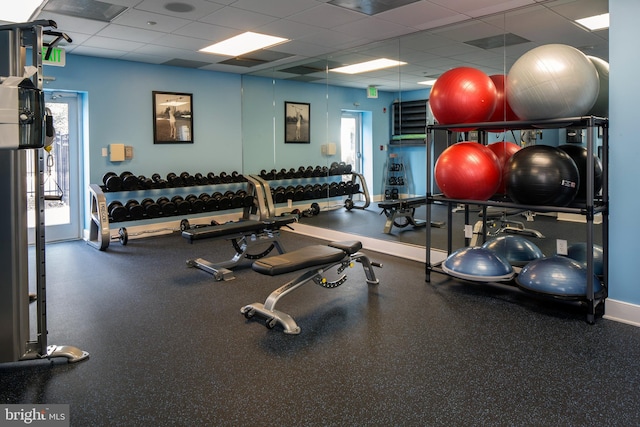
623	312
402	250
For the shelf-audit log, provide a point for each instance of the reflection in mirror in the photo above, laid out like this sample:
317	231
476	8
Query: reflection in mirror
489	43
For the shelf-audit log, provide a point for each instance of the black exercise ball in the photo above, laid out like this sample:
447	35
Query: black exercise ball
542	175
579	155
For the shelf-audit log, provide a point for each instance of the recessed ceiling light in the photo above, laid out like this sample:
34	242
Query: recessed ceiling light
18	11
594	23
363	67
179	7
428	82
243	43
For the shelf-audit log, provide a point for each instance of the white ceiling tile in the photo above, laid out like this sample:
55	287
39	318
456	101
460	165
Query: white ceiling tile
201	8
279	8
238	18
212	33
111	43
140	19
326	16
70	24
129	33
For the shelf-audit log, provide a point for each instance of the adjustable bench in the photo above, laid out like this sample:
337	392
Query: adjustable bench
316	259
497	222
243	234
395	209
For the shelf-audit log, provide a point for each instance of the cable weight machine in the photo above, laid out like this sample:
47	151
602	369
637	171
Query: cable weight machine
22	127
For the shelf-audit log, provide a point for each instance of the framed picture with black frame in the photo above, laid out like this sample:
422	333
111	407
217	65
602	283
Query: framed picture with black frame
297	122
172	118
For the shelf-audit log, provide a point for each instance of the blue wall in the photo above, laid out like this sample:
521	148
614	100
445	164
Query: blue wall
624	151
238	126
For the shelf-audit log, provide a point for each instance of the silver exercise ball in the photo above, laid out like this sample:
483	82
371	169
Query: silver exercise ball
552	81
601	107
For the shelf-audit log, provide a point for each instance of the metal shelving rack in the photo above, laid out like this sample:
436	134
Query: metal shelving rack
589	207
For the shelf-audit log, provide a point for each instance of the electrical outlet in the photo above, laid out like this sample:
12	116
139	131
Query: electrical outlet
468	231
561	247
105	152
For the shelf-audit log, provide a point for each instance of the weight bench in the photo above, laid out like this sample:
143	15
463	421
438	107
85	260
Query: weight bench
497	223
244	235
396	209
316	259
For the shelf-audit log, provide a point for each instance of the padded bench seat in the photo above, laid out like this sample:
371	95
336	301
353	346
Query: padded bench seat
306	257
408	202
236	227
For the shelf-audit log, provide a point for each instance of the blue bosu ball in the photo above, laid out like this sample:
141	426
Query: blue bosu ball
578	252
516	249
556	275
477	264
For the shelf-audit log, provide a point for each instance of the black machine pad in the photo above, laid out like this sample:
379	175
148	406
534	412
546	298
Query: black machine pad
236	227
306	257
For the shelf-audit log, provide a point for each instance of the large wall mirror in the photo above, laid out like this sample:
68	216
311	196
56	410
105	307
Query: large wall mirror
491	43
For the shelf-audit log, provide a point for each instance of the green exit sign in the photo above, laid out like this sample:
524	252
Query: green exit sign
57	56
372	92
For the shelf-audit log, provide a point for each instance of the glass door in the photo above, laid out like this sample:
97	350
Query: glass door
61	172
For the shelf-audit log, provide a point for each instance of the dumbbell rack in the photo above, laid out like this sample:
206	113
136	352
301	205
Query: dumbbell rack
101	218
308	184
395	180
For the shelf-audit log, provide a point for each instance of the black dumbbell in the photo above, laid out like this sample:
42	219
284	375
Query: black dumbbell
308	192
112	181
174	180
182	206
225	201
209	203
129	181
158	181
348	168
201	179
300	172
333	189
298	193
151	208
167	207
334	169
278	195
197	205
325	189
282	174
247	199
237	177
224	178
187	179
317	191
145	183
235	199
136	211
117	212
289	192
213	179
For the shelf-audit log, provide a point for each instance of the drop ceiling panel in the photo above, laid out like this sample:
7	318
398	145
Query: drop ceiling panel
233	17
212	33
326	16
140	19
70	24
417	15
200	8
129	33
280	8
372	28
110	43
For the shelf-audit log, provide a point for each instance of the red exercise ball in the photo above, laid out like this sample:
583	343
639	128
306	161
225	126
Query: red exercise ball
468	170
503	151
462	95
503	111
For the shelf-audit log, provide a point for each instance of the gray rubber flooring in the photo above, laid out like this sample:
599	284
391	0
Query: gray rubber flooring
169	347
